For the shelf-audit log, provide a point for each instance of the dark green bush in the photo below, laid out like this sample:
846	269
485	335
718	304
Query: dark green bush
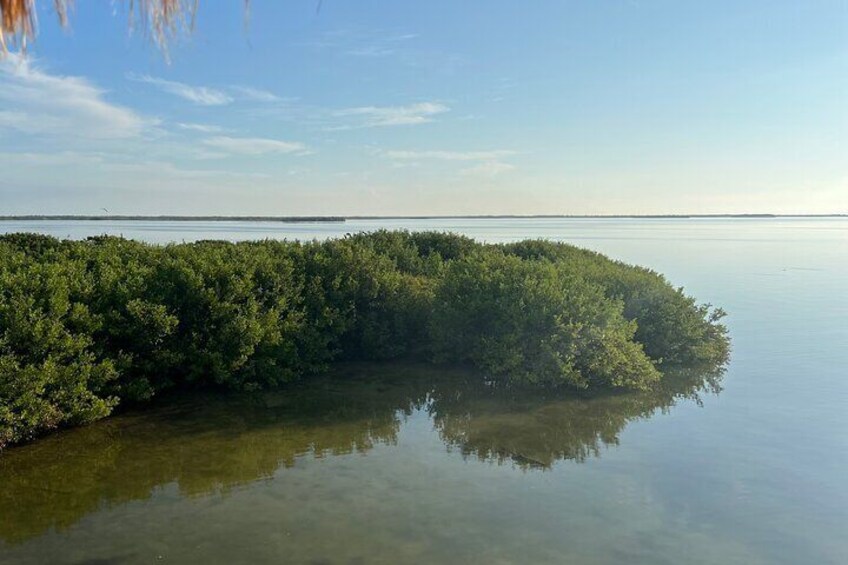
671	326
49	375
536	323
87	325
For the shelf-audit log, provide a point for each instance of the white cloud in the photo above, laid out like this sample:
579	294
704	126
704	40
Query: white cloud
60	158
402	37
361	43
449	155
202	128
254	145
22	121
37	103
488	163
379	116
488	169
370	51
205	95
142	171
201	95
102	166
255	94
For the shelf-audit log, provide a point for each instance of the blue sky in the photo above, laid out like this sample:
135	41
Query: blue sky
437	107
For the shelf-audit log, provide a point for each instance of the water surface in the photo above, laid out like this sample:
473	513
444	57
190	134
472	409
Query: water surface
410	464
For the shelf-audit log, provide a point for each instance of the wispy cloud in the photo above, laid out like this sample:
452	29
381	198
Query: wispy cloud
488	169
201	95
488	163
143	170
75	178
36	102
361	43
254	145
383	116
59	158
207	95
255	94
202	128
401	37
370	51
449	155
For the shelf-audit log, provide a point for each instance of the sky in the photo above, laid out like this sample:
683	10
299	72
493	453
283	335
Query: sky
368	107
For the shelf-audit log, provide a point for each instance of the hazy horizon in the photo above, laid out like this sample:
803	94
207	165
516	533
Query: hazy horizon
322	217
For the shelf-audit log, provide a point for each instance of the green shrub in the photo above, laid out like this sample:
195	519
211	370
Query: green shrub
533	322
671	326
87	325
49	376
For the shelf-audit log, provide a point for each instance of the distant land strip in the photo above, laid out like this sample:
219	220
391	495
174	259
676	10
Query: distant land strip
176	218
600	216
342	219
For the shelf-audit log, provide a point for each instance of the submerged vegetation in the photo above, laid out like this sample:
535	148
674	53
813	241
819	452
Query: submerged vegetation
204	444
86	326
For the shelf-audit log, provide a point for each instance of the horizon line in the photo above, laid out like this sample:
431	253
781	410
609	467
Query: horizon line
342	218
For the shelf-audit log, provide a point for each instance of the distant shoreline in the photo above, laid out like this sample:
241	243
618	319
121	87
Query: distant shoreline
342	219
285	219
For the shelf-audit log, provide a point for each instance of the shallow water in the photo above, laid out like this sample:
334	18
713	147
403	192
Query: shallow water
410	464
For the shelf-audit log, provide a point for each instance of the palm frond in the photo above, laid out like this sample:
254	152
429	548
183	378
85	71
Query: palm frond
161	20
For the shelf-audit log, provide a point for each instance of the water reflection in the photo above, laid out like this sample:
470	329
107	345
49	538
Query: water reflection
209	445
534	430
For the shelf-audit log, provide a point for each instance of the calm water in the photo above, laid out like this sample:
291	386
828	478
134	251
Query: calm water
410	464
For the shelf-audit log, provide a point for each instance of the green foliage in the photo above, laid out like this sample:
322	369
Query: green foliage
87	325
671	326
534	322
49	376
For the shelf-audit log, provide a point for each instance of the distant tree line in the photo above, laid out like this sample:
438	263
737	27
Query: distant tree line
86	326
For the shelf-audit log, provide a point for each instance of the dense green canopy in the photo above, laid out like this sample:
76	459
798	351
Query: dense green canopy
88	325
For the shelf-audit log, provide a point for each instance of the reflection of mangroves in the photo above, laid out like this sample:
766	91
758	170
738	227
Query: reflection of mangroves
534	430
206	445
